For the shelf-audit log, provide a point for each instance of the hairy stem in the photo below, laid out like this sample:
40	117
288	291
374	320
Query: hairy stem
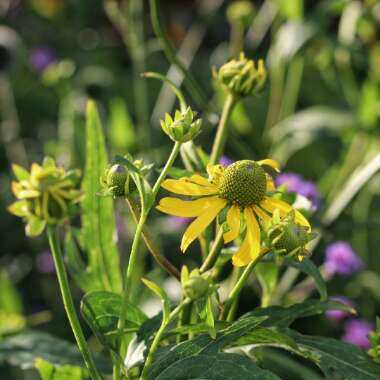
222	132
69	304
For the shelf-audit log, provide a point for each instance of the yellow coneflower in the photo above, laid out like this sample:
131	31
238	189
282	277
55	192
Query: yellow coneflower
244	188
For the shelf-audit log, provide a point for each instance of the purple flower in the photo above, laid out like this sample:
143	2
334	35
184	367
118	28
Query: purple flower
178	221
296	184
41	57
356	332
225	161
336	315
45	262
340	258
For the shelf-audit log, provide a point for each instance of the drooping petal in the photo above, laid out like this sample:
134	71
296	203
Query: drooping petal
198	179
269	162
233	221
250	248
199	225
185	186
261	214
270	204
187	209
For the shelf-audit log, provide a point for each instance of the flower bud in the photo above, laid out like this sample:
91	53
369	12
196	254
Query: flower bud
46	194
115	181
196	287
288	238
241	77
183	128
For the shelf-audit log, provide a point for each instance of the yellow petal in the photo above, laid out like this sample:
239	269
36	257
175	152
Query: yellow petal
261	214
270	183
233	221
199	225
215	173
270	204
250	249
184	186
269	162
198	179
187	209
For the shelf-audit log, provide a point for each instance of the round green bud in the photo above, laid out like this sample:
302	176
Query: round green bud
116	180
195	287
243	183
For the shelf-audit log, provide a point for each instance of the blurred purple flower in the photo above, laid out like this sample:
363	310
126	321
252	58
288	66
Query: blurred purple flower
45	262
336	315
179	221
340	258
296	184
356	332
41	57
225	161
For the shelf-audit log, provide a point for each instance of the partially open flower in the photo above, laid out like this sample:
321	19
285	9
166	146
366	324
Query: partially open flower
115	181
288	238
183	128
242	77
46	194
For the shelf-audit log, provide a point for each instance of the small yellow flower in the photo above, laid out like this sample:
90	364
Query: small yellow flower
243	188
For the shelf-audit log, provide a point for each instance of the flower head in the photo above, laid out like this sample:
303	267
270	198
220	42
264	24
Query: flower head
41	57
296	184
46	194
184	127
242	77
340	258
241	194
336	315
115	181
356	332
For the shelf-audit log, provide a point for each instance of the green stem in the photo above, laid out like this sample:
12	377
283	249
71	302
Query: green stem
158	336
221	134
69	304
190	83
213	255
235	292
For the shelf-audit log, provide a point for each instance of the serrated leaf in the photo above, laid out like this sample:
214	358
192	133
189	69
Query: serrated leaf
99	230
336	356
49	371
23	349
308	267
221	366
101	310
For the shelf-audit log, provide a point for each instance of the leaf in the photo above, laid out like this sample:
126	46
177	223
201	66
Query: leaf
99	231
10	299
308	267
23	349
267	274
333	355
35	226
204	344
20	173
283	316
156	289
101	310
221	366
49	371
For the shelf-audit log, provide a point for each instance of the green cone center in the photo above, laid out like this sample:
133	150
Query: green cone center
243	183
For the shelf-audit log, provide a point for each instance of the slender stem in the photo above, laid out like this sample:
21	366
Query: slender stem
69	304
213	255
150	243
239	286
221	134
158	336
191	84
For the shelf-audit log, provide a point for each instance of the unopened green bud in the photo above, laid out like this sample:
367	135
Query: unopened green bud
115	181
183	128
242	77
196	287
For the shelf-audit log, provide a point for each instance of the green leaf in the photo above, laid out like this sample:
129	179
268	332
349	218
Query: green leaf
267	274
156	289
121	130
178	173
23	349
220	366
35	226
101	310
308	267
283	316
10	299
49	371
333	355
99	231
20	173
